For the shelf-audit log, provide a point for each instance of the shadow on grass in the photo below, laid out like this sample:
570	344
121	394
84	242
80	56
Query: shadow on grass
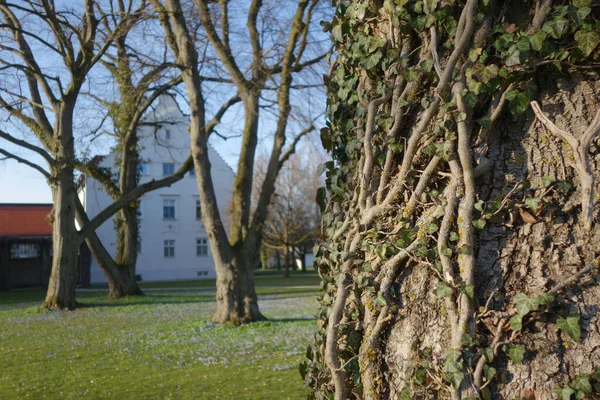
147	299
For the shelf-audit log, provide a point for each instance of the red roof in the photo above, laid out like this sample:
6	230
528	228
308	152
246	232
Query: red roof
25	220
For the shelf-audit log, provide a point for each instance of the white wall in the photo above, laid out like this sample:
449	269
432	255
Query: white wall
156	149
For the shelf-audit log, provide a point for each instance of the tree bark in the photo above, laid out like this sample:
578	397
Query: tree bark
65	239
462	264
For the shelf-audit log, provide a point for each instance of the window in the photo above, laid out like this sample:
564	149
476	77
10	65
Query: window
167	134
168	208
201	247
198	209
193	172
169	249
142	169
24	250
168	169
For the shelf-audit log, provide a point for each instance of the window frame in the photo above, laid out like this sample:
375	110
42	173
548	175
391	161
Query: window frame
168	248
201	247
170	166
169	216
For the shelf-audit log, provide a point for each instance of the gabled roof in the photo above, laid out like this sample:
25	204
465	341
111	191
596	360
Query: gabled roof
25	219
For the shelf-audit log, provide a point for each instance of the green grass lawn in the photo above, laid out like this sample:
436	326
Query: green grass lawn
159	346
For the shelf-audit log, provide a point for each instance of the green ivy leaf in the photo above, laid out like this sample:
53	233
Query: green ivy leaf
525	304
533	203
587	41
479	223
447	251
405	395
372	60
443	290
516	323
380	301
581	3
336	33
479	205
432	228
456	379
570	325
513	59
302	367
516	354
524	44
488	353
546	299
486	394
321	198
564	393
490	372
454	236
548	180
583	12
537	40
581	383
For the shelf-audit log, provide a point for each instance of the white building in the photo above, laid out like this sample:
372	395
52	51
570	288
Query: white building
173	241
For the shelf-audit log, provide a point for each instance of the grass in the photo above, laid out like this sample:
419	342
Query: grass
157	346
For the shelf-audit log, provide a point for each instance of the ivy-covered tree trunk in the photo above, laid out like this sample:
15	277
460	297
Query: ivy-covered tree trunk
462	247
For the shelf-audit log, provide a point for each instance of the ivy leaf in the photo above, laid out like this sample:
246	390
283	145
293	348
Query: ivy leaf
376	42
456	379
548	180
519	104
546	299
485	73
516	323
533	203
443	290
447	251
583	12
525	304
380	301
405	395
516	354
479	205
372	60
336	32
581	3
479	223
570	325
302	368
490	372
587	41
426	65
454	236
513	59
581	383
564	393
537	40
524	44
321	198
488	353
432	228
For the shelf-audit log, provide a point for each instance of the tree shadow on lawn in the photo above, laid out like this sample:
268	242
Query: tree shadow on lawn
147	299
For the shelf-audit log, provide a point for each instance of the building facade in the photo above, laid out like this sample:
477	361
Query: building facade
173	241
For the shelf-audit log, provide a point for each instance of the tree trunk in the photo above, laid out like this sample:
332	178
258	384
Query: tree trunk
236	295
65	244
462	264
124	283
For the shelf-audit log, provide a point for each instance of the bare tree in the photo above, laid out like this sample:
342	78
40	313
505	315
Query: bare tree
47	103
44	107
293	214
276	56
